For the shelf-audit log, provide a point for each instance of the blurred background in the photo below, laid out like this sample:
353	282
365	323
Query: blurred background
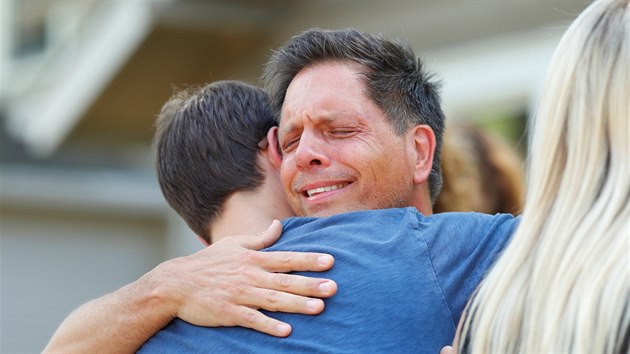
81	82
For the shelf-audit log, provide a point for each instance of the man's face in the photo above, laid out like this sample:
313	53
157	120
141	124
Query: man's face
339	152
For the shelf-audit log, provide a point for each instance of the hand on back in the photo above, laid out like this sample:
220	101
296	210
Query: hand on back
228	282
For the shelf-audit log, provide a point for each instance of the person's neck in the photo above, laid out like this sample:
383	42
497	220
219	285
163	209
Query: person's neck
242	214
425	207
422	200
248	213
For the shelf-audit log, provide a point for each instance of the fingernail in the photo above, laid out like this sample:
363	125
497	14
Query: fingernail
283	328
324	260
325	287
312	304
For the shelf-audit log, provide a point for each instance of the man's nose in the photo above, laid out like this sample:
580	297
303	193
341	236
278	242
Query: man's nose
309	152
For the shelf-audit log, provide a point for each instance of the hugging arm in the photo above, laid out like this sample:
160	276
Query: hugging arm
221	285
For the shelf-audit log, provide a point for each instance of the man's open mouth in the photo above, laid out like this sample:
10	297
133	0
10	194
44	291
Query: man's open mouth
315	191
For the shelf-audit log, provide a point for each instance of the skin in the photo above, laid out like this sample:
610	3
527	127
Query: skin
452	349
222	285
332	136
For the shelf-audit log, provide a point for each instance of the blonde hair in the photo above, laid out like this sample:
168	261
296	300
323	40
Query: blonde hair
563	282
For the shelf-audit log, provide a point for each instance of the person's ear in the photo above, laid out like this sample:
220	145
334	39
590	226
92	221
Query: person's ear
274	155
424	149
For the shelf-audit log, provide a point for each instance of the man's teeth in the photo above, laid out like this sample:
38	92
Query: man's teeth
312	192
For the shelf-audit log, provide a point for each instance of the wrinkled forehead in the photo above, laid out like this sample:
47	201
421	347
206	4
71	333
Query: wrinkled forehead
324	90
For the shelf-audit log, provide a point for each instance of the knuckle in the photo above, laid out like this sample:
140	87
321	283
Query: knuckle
272	299
252	257
248	273
283	280
239	289
227	315
285	258
247	256
250	316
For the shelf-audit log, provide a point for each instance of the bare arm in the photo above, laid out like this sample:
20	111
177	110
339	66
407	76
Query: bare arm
221	285
117	322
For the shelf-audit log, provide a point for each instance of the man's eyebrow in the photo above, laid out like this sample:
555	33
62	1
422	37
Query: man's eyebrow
290	127
322	118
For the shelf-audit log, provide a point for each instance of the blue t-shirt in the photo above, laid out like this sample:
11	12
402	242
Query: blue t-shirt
403	280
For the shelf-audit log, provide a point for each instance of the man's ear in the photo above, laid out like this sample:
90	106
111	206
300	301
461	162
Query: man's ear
424	148
274	155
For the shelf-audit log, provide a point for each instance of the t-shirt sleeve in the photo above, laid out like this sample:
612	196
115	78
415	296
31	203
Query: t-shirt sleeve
462	247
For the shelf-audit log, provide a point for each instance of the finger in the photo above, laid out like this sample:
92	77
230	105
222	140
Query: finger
298	285
261	239
447	350
278	301
254	319
283	261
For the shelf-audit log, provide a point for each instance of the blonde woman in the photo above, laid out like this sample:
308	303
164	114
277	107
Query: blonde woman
563	283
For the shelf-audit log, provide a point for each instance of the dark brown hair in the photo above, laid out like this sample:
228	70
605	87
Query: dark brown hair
207	143
395	79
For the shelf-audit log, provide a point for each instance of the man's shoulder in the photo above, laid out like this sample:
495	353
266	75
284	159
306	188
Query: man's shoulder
350	217
469	222
352	229
470	216
457	234
450	222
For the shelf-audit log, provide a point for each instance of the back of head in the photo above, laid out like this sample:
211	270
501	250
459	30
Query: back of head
563	283
395	79
207	147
